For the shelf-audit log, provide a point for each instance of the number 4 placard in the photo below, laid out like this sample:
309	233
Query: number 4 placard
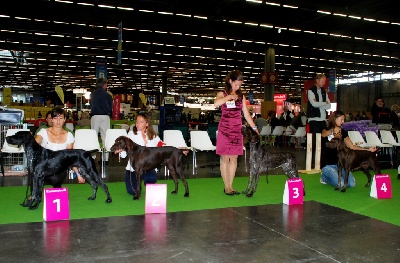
56	204
381	187
293	193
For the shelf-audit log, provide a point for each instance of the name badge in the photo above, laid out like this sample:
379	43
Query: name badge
230	104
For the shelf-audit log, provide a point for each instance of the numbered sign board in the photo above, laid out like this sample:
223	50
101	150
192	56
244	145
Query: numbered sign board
381	187
156	199
293	193
56	204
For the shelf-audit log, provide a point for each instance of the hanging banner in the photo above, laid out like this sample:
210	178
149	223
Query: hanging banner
119	42
116	107
332	80
251	97
101	68
60	93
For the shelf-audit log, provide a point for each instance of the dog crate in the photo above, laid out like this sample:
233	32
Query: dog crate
14	164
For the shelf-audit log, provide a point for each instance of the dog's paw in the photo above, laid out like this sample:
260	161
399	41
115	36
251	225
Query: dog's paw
174	192
368	185
108	200
92	198
186	195
337	188
250	195
343	190
136	197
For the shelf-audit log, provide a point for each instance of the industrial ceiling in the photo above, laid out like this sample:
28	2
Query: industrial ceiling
193	44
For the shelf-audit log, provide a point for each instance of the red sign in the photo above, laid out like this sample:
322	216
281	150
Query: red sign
264	77
279	97
116	105
272	77
269	77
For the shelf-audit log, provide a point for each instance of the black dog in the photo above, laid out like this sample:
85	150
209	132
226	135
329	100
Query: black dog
43	163
145	159
351	160
263	161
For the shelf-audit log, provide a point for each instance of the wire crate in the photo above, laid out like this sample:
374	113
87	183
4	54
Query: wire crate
14	163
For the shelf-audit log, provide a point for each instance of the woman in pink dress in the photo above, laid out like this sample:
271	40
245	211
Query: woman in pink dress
230	138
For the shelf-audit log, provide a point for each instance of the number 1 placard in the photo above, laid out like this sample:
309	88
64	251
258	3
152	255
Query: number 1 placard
56	204
381	187
293	193
156	199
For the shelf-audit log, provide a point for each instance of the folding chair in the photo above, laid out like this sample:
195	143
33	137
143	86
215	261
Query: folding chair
357	139
300	133
372	138
265	132
175	138
111	136
200	141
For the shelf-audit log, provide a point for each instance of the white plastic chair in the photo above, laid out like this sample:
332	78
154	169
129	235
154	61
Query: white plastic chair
300	133
387	137
9	149
86	139
175	138
398	136
200	141
265	132
70	126
111	136
372	138
277	132
357	139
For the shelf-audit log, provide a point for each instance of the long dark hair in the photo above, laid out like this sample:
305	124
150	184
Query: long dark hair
233	76
57	111
332	119
151	134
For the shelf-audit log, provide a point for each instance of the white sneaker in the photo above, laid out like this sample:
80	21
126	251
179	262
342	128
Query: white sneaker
321	181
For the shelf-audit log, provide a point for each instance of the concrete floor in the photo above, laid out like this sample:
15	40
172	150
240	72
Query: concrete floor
312	232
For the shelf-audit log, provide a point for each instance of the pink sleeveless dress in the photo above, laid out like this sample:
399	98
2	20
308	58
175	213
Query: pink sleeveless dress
230	138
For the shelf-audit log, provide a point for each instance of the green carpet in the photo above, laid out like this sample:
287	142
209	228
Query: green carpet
207	193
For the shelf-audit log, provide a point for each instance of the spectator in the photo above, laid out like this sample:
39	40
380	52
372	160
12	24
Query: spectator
260	122
101	110
318	103
380	113
56	138
286	116
85	120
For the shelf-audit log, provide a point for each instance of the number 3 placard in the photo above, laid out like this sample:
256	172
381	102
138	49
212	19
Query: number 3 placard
56	204
381	187
293	193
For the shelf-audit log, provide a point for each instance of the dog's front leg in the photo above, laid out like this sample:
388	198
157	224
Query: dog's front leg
251	177
346	180
256	178
36	193
339	176
136	196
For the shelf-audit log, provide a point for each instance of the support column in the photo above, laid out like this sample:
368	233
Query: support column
164	79
269	66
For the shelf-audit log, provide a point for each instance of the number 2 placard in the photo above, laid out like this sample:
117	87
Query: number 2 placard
56	204
156	199
293	193
381	187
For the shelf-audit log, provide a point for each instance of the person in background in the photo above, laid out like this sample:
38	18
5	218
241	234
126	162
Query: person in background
286	116
329	156
85	120
101	110
56	138
49	123
260	122
230	138
394	116
318	104
144	135
380	113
